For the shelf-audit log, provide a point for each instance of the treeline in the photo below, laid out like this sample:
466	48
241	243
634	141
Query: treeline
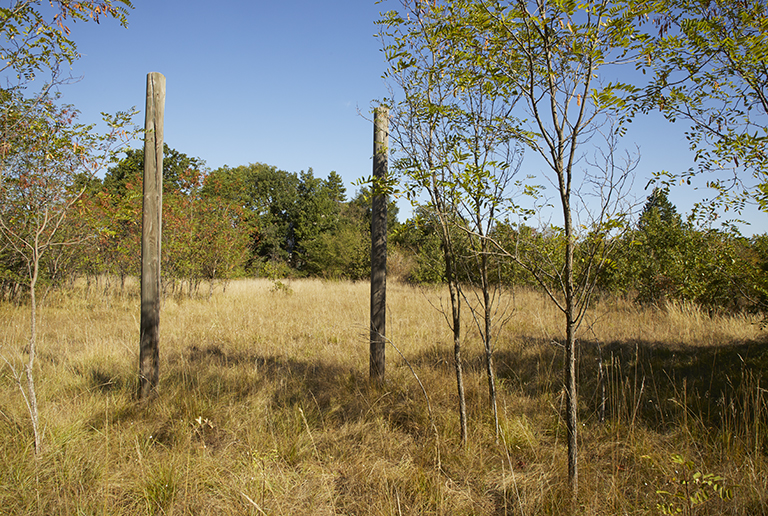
253	220
257	220
658	258
666	258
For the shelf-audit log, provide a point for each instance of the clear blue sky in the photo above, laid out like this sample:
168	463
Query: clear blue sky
287	83
273	82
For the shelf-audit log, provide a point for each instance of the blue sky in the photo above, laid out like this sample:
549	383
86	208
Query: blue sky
288	83
273	82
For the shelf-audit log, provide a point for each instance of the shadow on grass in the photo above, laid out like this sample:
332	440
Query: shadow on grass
651	383
714	389
327	393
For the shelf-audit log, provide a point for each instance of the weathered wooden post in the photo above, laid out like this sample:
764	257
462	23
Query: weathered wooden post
379	243
151	230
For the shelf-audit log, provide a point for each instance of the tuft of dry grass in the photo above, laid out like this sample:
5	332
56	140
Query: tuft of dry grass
265	407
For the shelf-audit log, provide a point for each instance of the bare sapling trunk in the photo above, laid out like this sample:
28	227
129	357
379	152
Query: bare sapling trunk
483	318
31	396
570	312
455	294
486	302
487	338
454	290
571	396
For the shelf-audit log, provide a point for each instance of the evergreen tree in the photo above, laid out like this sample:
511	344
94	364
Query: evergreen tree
660	242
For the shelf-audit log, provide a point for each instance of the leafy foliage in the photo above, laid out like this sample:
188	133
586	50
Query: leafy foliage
709	71
660	245
41	184
693	488
300	220
219	225
35	38
665	258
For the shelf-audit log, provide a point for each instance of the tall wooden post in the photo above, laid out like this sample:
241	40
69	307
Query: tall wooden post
151	230
379	244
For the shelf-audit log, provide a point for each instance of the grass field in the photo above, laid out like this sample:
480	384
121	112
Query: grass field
265	408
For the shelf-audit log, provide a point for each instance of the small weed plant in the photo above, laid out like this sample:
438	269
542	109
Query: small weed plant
278	287
692	489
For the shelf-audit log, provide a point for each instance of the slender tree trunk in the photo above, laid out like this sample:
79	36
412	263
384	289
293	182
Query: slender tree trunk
570	359
379	247
31	392
455	294
458	366
571	405
487	339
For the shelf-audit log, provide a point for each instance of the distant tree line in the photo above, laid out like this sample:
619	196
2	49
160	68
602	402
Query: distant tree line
662	257
258	220
252	220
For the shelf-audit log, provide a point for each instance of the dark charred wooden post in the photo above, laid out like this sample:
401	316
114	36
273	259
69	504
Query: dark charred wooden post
149	355
379	243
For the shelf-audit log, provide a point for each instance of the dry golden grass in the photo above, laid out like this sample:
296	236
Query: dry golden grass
265	407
